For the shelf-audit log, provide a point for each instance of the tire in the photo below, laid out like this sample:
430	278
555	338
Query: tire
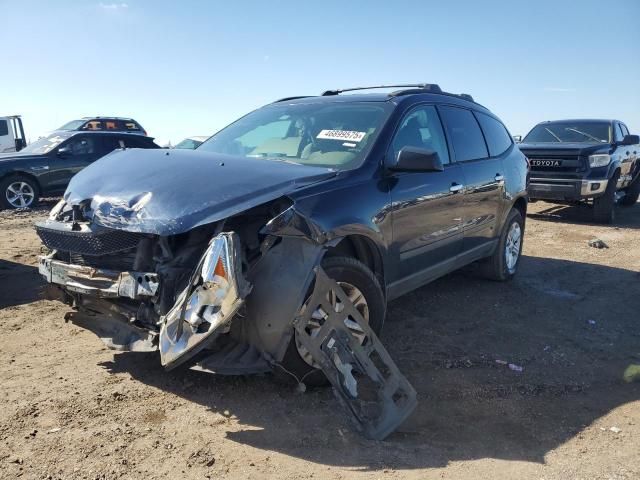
18	191
348	271
503	264
603	207
632	193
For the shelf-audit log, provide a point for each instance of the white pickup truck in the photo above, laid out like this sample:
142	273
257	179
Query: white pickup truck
12	137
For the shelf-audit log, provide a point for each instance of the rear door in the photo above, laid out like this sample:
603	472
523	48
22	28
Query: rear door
109	143
483	172
427	206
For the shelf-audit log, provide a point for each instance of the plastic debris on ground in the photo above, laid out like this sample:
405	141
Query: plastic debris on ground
597	243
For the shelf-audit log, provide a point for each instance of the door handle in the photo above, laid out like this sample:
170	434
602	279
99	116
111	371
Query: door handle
499	178
455	187
36	169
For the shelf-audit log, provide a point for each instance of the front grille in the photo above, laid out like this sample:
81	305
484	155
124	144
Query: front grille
120	262
101	242
555	162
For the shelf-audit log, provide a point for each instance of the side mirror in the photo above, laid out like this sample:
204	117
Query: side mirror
630	140
413	159
64	152
517	138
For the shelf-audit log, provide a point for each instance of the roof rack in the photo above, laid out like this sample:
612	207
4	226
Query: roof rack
285	99
422	87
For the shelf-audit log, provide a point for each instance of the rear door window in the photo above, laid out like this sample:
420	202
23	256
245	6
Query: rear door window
110	143
495	133
4	128
464	133
113	125
136	141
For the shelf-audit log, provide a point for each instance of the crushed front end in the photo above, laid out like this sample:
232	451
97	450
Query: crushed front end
226	297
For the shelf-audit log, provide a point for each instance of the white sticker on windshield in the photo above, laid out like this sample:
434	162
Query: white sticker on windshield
342	135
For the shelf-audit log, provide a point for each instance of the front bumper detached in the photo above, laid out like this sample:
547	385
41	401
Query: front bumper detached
565	189
98	282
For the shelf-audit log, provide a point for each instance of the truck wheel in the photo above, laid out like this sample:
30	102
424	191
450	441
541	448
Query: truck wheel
632	193
503	264
18	191
603	211
364	290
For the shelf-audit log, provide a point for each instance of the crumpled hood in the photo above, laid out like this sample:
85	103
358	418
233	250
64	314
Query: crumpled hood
166	192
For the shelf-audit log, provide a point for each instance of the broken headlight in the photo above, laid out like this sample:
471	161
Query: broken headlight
206	306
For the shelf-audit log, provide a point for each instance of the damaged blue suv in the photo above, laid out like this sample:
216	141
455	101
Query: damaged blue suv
277	243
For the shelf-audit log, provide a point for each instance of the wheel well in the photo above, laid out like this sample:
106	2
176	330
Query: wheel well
521	205
363	249
22	174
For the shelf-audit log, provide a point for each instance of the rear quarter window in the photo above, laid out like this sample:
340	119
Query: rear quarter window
495	133
131	126
464	132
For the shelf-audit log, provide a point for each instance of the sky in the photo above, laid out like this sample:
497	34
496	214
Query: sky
190	67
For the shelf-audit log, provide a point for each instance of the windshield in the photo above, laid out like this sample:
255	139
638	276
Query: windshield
334	135
574	132
45	145
72	125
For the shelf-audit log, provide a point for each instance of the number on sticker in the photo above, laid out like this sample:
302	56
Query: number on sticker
342	135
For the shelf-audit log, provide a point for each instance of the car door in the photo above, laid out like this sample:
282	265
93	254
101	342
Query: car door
484	187
69	158
427	207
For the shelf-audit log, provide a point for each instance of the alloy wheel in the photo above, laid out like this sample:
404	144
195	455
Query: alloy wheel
20	194
512	246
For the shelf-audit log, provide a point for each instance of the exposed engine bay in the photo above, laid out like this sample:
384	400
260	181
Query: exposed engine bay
225	296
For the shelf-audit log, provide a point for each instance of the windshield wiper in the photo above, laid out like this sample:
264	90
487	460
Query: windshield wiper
585	134
554	135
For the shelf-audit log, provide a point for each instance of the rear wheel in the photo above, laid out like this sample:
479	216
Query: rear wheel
632	193
503	264
364	291
18	192
603	207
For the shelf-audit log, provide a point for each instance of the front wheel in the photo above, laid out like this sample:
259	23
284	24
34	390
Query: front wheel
603	206
363	289
503	264
18	192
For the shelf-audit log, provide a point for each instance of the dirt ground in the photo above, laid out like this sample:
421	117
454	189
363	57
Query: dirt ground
71	408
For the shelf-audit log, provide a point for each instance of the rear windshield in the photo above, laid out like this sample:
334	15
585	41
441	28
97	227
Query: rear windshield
570	132
334	135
